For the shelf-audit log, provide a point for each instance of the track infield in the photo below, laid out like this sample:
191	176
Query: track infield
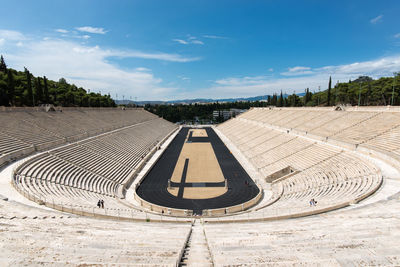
197	163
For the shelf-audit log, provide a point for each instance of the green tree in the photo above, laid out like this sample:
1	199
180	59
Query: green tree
274	100
46	90
3	91
30	101
280	101
38	91
11	87
294	100
329	91
3	66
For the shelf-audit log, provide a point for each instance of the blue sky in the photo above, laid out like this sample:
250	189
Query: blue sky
159	50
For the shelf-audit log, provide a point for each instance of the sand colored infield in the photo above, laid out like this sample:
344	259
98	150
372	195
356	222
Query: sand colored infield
202	167
203	192
199	192
173	191
199	133
203	164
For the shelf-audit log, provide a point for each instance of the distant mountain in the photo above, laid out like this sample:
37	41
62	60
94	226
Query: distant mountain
197	100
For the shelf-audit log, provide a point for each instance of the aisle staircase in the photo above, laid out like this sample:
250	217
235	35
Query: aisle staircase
196	252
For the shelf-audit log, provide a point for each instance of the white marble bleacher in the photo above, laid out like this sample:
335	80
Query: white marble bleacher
356	237
29	129
79	174
14	125
33	236
342	122
9	144
374	128
335	182
388	141
367	130
327	173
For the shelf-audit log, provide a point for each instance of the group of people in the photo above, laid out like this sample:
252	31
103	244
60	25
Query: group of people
100	203
313	202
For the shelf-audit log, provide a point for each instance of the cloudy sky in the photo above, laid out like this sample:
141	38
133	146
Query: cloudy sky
163	50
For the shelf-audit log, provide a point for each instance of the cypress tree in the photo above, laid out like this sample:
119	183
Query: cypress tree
368	92
280	100
38	91
274	100
329	91
308	96
3	66
28	75
3	94
46	90
10	87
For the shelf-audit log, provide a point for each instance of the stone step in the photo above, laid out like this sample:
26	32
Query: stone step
197	252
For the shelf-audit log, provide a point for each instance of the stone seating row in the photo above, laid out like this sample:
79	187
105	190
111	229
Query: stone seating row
32	237
339	180
80	174
9	144
274	150
354	127
320	171
22	129
358	237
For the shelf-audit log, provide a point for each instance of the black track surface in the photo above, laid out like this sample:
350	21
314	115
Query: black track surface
154	186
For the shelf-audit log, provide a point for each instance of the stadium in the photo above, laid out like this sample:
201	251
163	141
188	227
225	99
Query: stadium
233	194
199	133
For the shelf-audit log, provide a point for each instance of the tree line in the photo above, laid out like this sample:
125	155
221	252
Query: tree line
363	91
21	88
203	112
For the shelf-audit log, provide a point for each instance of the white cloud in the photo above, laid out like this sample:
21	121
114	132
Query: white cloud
85	37
376	19
214	37
397	35
91	30
156	56
180	41
2	41
298	70
261	85
189	40
89	67
142	69
11	35
61	30
197	42
183	78
20	44
271	69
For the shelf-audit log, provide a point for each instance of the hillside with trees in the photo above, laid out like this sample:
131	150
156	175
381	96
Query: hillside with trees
21	88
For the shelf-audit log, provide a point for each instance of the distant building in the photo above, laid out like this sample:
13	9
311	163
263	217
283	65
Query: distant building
227	114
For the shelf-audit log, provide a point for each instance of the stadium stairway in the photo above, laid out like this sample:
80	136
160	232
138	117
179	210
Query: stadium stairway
197	251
